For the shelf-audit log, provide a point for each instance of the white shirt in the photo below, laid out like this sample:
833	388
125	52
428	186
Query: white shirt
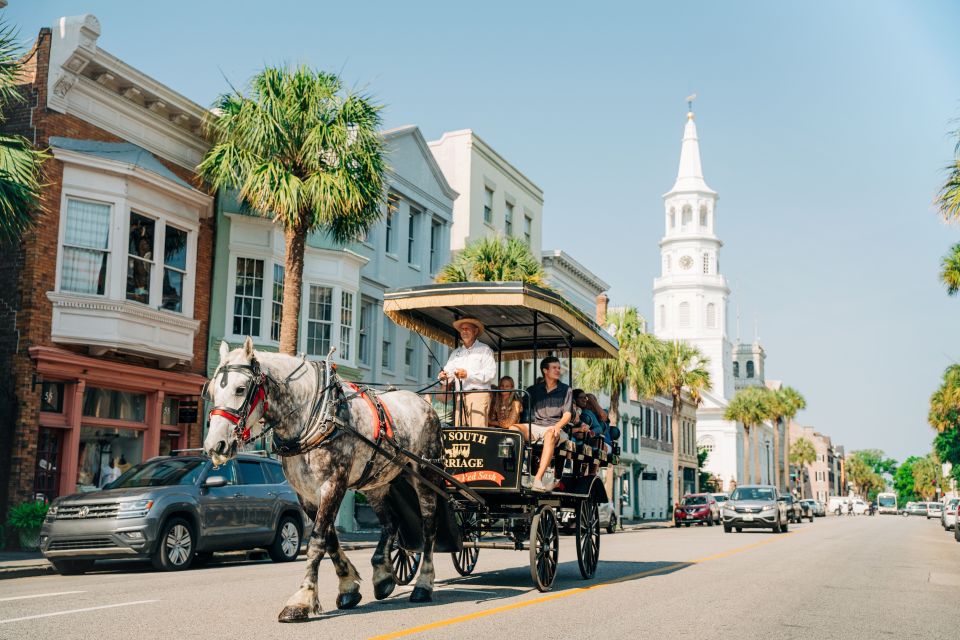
477	361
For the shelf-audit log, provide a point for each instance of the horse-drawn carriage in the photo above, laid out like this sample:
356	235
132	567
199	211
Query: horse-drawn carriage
433	486
522	322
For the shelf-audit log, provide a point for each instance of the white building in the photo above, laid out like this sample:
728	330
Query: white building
495	198
690	303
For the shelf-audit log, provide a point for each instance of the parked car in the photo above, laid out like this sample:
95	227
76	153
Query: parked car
794	512
721	499
755	506
172	510
608	518
696	508
948	515
934	509
821	509
809	508
915	509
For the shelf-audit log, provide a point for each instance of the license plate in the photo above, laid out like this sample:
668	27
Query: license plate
747	517
689	517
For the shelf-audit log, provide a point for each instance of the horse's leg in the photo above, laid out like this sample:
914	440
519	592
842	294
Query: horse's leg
349	578
423	591
383	581
304	602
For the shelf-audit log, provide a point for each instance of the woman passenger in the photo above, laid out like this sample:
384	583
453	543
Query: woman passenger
505	407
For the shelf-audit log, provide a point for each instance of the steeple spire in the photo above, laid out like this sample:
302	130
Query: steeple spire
690	173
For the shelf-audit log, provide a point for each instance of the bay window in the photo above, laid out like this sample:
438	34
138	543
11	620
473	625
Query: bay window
86	247
319	320
346	324
174	268
248	297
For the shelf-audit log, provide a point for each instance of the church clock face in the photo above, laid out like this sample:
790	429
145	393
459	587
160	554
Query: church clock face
686	262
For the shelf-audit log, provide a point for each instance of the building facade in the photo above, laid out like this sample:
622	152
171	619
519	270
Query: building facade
819	479
108	297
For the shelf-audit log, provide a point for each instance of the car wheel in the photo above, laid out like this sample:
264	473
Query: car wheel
612	525
286	544
786	527
686	524
956	533
776	527
739	529
676	523
175	546
709	521
72	567
726	529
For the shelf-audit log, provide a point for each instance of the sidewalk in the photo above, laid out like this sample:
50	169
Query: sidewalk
22	564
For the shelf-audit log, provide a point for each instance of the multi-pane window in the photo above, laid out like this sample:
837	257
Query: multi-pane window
435	228
85	247
410	355
413	222
276	310
346	323
248	297
140	257
706	263
319	320
527	229
488	205
393	206
365	332
386	345
508	220
174	268
635	435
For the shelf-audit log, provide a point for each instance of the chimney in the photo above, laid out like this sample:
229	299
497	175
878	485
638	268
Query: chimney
602	301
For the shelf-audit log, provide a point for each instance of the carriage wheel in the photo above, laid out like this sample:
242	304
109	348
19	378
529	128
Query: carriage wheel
465	560
403	563
544	548
588	537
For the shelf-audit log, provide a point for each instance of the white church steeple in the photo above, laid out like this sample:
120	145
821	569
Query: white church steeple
690	296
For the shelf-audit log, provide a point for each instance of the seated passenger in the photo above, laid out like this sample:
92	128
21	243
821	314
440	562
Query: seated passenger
589	418
505	407
550	409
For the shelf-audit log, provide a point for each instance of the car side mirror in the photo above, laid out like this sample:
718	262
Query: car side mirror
215	481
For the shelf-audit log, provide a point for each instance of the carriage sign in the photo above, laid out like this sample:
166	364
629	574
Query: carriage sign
474	457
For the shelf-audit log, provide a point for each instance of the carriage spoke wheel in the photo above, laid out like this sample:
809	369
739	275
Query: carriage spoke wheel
465	560
403	563
588	538
544	548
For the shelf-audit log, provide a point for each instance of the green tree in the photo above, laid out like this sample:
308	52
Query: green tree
636	364
950	270
20	163
749	407
948	198
945	402
305	152
706	480
683	369
927	476
802	454
494	259
877	460
795	402
904	482
946	445
783	405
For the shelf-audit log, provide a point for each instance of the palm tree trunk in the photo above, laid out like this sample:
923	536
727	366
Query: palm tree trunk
756	457
745	478
785	462
776	454
295	238
614	414
675	430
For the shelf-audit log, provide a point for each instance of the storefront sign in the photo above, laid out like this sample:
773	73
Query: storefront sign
188	412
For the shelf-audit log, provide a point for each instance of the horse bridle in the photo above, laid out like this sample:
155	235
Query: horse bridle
255	397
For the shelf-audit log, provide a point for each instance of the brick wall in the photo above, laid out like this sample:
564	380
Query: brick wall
36	273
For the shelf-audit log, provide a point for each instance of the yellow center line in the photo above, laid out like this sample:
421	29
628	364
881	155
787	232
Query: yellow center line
576	590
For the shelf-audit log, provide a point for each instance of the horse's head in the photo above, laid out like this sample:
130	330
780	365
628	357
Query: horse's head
238	393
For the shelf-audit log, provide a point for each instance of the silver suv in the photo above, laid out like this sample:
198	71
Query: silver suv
173	510
755	506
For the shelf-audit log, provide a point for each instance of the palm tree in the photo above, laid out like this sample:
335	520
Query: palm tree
683	368
494	259
635	366
950	274
749	407
927	476
945	401
948	199
305	152
804	454
790	402
20	163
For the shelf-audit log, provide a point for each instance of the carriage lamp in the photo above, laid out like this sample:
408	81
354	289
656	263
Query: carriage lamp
505	448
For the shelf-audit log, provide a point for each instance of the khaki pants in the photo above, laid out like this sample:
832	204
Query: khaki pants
476	405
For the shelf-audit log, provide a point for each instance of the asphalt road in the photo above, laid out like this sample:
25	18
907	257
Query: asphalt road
839	577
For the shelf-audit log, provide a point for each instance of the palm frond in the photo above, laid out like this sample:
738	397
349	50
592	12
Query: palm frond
950	270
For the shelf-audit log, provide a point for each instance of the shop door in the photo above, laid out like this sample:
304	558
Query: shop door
46	479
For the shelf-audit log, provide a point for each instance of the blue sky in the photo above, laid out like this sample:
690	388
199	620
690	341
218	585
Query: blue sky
823	126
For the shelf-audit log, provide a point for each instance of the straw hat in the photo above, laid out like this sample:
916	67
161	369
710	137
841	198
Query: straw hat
473	321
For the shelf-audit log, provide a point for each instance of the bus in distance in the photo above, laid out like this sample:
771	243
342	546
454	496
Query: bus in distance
887	503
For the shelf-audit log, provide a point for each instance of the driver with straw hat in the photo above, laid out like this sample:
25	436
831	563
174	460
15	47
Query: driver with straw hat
471	364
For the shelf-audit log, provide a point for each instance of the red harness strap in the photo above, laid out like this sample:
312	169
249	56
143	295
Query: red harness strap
377	423
259	396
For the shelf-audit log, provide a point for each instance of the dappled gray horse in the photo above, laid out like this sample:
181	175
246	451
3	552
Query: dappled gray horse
312	415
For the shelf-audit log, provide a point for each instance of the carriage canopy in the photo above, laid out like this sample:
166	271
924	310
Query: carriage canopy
519	319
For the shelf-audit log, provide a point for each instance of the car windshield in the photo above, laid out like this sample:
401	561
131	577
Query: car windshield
721	498
694	500
160	473
752	493
886	501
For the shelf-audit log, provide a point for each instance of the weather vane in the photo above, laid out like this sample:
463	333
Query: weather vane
690	99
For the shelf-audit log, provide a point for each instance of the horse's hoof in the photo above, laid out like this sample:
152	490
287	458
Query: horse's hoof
298	613
421	594
384	589
348	600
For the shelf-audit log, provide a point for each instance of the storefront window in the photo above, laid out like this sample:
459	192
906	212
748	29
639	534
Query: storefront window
51	397
105	454
114	405
171	411
169	442
140	259
46	483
